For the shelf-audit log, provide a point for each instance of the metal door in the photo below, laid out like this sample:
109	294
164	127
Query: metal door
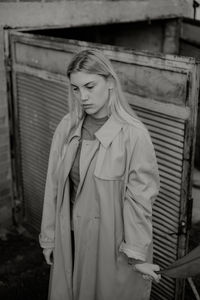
163	90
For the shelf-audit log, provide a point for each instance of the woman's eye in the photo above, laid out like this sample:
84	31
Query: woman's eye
90	87
75	90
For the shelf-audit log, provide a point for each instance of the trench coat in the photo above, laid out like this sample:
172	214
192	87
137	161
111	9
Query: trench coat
112	213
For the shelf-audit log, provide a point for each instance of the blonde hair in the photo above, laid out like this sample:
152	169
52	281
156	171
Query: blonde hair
93	61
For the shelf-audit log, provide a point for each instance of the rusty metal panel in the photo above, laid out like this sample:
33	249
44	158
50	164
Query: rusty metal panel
163	91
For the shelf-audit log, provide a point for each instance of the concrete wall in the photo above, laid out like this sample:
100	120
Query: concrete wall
52	13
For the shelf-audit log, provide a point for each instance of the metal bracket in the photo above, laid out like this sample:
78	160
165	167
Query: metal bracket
185	226
182	229
195	6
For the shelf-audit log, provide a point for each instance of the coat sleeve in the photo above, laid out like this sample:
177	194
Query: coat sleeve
46	237
141	191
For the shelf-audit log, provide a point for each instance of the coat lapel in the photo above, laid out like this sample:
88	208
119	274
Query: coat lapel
108	131
69	150
68	155
88	151
105	135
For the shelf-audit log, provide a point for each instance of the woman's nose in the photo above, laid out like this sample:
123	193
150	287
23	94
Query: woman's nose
84	95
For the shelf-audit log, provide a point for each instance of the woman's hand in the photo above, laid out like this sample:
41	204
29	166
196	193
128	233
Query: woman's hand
48	254
148	271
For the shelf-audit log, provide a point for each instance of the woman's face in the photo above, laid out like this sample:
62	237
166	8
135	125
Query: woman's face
92	91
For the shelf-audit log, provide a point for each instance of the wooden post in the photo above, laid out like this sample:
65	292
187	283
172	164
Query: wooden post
171	37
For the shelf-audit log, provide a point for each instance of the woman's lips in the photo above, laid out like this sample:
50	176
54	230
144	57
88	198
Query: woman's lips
87	106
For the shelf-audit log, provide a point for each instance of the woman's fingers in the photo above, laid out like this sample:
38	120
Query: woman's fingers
149	271
48	254
158	278
149	277
155	267
154	275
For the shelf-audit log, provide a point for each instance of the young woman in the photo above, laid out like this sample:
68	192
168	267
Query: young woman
101	183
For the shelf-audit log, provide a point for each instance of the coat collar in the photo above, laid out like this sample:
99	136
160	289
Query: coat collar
105	134
108	131
76	132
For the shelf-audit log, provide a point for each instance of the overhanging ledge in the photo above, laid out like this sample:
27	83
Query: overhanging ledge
72	13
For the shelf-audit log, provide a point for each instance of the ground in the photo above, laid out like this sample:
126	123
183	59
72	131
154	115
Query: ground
23	272
24	275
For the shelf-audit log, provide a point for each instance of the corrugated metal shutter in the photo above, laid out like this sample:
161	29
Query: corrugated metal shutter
162	90
41	105
167	136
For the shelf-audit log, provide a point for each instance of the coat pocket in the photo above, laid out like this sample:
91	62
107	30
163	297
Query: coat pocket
110	164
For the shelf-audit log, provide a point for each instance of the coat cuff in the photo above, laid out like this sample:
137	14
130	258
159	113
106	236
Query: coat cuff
131	252
46	242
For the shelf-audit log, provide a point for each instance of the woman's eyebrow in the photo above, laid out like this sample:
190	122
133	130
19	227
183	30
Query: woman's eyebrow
90	82
87	83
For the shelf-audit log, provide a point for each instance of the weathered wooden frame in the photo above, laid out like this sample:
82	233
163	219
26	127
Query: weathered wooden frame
179	64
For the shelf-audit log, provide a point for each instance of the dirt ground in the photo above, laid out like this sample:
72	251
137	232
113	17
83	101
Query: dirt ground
23	272
24	275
